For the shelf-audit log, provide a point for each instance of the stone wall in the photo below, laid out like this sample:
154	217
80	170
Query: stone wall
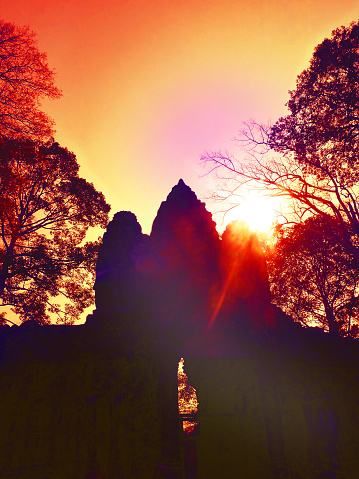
100	400
276	417
75	399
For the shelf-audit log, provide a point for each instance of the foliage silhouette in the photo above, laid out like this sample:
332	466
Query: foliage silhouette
45	212
311	155
313	278
25	79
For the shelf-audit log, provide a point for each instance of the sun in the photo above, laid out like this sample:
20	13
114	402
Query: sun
257	210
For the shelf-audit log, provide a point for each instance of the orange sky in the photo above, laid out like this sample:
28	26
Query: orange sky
150	85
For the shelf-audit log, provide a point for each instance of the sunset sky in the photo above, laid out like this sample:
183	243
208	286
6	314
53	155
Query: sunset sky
150	85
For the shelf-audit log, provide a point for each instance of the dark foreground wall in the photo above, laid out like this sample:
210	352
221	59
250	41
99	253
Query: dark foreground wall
99	401
77	400
269	418
83	400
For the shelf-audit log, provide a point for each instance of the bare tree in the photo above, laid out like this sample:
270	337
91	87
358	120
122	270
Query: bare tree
311	156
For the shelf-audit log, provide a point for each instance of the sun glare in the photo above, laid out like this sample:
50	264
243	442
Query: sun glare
256	210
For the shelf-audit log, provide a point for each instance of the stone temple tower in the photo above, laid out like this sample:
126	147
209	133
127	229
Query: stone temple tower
100	399
192	284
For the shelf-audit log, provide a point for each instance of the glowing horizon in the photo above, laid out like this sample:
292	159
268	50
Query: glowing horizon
256	210
149	87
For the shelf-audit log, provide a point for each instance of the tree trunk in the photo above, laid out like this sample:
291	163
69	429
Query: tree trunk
332	323
4	271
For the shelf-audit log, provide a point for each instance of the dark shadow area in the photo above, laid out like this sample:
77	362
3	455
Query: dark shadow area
276	400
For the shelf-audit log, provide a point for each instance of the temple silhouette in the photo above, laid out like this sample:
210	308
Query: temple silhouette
100	400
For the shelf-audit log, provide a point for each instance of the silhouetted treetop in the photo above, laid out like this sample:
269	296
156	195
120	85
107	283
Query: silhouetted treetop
45	211
25	79
323	125
309	157
313	278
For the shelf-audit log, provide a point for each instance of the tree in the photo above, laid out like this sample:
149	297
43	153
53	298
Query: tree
311	155
313	278
25	79
45	212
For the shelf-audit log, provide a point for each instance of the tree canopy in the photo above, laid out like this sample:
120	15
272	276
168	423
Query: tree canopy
310	156
323	125
45	212
25	79
313	278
